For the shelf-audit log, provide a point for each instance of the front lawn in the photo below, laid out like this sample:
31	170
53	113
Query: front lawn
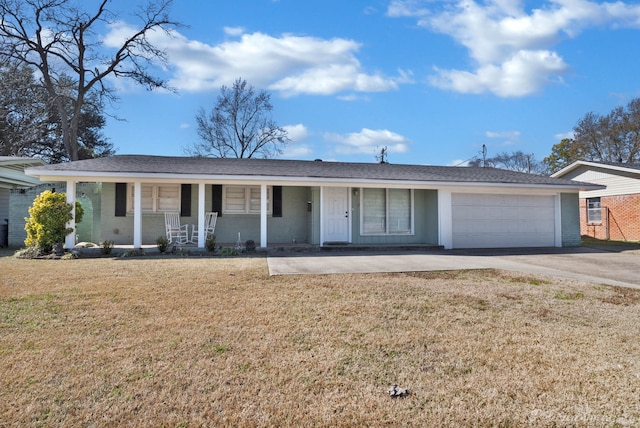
164	341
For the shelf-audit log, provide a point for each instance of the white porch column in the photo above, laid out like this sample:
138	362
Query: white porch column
445	219
201	232
70	239
321	216
263	215
557	202
137	215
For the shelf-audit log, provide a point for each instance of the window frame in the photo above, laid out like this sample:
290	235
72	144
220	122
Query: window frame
249	200
153	205
594	213
387	205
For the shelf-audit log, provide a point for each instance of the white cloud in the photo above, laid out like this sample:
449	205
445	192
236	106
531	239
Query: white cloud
510	45
404	8
564	135
510	135
288	63
369	141
297	133
233	31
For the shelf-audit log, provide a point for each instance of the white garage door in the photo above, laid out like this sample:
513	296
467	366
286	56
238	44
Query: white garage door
501	221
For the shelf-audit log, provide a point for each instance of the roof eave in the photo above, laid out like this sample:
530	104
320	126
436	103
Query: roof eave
576	164
53	175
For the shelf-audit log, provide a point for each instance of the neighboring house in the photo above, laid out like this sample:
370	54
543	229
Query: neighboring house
323	203
12	176
612	212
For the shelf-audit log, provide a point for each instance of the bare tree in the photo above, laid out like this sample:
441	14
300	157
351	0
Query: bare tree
515	161
23	118
239	126
61	42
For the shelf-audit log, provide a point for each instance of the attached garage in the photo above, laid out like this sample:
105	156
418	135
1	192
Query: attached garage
501	221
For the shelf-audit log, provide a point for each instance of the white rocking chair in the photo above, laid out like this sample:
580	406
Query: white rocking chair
176	231
209	226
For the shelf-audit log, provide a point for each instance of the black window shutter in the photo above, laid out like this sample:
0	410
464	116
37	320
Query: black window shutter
121	199
185	201
216	199
277	201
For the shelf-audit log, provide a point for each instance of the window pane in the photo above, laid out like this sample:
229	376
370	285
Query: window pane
594	211
147	197
169	197
399	211
254	199
235	199
373	211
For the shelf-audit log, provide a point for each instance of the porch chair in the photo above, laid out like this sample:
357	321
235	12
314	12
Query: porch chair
174	229
209	227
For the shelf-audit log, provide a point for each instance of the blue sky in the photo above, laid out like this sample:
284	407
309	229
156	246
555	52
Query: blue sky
431	80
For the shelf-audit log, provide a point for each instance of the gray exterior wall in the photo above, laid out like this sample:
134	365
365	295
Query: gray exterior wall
293	224
120	229
4	217
4	205
570	219
425	221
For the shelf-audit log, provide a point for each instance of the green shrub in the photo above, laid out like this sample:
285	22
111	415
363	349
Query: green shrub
162	243
48	218
134	252
210	243
226	252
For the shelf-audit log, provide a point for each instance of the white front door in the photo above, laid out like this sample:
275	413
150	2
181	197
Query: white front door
336	214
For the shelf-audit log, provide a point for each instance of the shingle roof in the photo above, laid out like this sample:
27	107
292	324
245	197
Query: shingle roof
632	168
164	165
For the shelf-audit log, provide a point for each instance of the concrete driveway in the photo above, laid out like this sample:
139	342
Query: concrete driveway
596	265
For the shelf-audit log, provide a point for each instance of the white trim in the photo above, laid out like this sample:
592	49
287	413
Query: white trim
579	163
298	181
201	215
321	215
137	214
70	239
445	219
558	219
264	207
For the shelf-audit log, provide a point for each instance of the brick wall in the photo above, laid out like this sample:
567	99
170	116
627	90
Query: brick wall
622	215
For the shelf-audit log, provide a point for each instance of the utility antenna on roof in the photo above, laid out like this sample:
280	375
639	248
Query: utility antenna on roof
382	157
484	155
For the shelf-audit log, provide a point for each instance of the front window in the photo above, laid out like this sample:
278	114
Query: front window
387	211
157	198
594	211
244	200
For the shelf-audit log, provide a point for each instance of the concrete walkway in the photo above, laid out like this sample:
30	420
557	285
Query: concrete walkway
586	264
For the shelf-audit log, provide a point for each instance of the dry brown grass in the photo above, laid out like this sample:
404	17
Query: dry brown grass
163	341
